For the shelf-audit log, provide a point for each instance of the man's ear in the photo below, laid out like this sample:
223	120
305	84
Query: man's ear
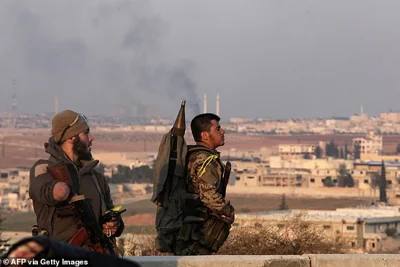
204	135
71	140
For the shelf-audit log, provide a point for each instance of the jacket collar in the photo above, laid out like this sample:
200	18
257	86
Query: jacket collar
204	145
57	154
88	166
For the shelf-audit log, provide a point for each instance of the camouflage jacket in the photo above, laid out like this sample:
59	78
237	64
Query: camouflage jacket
205	177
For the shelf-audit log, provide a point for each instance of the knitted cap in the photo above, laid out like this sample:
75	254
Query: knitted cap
69	122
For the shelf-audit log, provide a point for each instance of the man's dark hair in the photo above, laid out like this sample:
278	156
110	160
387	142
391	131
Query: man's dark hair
202	123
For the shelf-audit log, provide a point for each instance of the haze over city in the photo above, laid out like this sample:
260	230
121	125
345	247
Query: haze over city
273	59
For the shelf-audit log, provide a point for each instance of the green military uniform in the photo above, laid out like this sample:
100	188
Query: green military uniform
207	214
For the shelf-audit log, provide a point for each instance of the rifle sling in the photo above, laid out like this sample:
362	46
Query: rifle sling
103	204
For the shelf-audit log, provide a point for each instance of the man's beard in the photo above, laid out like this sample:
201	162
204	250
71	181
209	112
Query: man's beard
81	149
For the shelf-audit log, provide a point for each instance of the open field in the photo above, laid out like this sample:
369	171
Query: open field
23	147
251	203
140	215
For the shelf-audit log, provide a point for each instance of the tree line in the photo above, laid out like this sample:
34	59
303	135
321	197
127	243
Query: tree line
332	150
125	174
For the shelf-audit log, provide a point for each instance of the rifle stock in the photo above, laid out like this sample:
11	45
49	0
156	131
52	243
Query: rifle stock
59	172
92	227
81	236
227	173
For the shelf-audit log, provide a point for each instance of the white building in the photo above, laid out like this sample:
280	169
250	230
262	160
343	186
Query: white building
296	149
372	144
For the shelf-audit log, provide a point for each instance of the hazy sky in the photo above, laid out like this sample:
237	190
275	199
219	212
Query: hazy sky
279	58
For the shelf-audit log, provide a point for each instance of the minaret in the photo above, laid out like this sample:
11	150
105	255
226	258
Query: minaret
14	104
56	104
14	98
205	104
362	110
217	106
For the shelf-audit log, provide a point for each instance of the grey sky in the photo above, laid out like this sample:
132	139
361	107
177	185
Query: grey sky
265	58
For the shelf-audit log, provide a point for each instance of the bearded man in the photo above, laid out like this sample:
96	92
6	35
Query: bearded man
70	144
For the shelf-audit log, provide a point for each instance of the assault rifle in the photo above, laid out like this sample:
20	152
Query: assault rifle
227	173
91	228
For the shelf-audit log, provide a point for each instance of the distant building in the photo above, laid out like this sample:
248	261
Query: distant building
363	228
240	120
14	177
247	173
390	117
363	172
296	149
371	144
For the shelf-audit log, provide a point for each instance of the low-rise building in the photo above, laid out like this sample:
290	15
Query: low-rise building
364	173
364	227
371	144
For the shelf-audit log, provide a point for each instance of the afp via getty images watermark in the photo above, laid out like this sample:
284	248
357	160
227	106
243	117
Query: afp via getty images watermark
43	262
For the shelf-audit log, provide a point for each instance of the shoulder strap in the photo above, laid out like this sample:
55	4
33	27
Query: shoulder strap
207	161
103	203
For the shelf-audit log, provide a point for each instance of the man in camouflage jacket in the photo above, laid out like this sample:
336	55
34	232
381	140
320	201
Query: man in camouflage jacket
205	181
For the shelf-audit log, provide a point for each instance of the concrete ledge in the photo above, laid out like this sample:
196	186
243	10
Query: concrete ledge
309	260
354	260
222	261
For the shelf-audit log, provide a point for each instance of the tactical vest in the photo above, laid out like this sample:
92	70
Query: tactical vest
183	218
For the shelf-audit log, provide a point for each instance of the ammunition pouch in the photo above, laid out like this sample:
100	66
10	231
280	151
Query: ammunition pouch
216	228
208	229
216	231
194	216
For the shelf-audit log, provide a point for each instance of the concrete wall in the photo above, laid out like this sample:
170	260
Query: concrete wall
314	260
223	261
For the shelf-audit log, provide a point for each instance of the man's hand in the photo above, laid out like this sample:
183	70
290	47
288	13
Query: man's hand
110	228
228	213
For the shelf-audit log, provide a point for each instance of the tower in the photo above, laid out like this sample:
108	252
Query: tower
14	104
217	106
14	98
205	104
56	104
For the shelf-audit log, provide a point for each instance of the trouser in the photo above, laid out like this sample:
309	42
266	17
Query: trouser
202	238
